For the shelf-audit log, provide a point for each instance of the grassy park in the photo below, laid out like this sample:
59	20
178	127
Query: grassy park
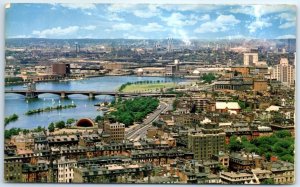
148	87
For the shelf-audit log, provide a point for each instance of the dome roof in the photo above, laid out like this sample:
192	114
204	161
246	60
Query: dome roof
85	122
140	70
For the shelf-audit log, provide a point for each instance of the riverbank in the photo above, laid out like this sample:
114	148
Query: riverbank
11	118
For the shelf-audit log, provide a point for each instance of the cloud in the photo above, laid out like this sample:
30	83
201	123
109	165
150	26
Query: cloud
288	36
205	17
55	32
221	24
288	18
238	36
191	7
179	20
114	17
121	7
258	24
90	27
82	6
20	36
150	11
136	37
182	34
287	25
122	26
152	27
261	10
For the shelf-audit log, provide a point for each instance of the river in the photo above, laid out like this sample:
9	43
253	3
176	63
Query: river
17	104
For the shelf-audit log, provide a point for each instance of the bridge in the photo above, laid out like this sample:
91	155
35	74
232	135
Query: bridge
91	94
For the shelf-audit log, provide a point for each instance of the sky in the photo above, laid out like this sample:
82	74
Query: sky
150	21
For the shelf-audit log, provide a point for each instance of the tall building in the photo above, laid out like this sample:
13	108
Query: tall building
250	59
210	140
170	44
284	72
116	132
77	46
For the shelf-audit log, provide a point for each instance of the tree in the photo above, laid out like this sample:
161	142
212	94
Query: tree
39	129
283	134
208	78
268	181
99	118
60	125
70	121
235	145
51	127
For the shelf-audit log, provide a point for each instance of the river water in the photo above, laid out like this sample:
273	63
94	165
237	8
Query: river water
17	104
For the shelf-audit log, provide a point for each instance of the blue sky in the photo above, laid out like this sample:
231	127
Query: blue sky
147	21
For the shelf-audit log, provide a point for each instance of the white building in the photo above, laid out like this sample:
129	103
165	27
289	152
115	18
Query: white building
284	72
65	170
250	59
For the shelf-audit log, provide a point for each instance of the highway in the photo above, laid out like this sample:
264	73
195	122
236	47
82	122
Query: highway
140	131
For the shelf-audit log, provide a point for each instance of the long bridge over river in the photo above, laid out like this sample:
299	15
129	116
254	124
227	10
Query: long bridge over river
90	94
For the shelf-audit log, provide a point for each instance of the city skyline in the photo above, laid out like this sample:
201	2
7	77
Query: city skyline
149	21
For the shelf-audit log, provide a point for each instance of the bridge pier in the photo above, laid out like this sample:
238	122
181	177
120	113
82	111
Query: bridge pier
31	95
63	95
91	95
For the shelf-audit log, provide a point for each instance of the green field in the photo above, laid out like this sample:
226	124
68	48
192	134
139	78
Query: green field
151	87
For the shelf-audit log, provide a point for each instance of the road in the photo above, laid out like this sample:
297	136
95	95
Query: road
140	131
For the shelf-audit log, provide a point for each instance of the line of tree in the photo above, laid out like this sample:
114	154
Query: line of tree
133	110
15	131
10	118
13	79
48	109
280	144
59	125
12	132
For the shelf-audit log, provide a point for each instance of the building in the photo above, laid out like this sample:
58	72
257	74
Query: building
241	69
116	132
209	141
222	158
13	170
260	85
237	178
171	70
111	173
227	106
234	83
244	161
61	69
250	59
283	172
284	72
66	170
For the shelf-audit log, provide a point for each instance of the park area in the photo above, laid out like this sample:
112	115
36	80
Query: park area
148	87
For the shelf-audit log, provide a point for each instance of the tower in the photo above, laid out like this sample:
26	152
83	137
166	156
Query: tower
170	42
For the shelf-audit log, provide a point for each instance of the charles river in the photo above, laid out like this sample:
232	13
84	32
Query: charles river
17	104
